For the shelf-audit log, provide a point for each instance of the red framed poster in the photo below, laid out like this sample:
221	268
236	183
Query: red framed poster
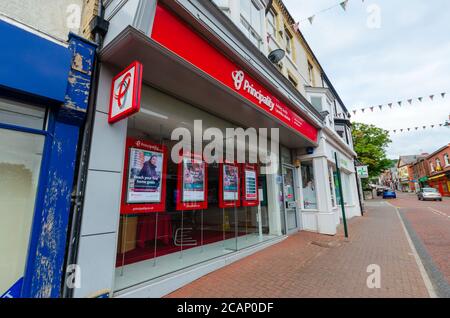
229	185
125	96
249	184
192	185
144	177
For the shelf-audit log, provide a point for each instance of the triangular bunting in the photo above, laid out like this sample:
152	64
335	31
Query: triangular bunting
443	95
344	5
390	105
311	19
399	103
380	106
410	101
431	97
420	99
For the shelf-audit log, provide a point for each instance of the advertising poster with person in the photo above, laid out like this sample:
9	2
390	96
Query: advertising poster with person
145	176
193	180
230	183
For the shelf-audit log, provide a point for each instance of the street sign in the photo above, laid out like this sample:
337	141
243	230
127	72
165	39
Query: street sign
363	172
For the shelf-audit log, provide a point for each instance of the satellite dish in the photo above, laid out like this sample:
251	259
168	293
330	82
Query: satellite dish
276	55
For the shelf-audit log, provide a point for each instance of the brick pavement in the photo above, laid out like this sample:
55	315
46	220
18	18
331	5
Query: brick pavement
298	268
429	224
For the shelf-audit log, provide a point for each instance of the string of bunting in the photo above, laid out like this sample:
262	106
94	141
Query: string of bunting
296	25
401	130
400	103
310	19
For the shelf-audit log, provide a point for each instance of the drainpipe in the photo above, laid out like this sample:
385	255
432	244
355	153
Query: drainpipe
99	27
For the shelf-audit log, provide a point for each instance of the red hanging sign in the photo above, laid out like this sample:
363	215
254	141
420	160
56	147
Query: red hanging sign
125	97
249	179
192	186
229	185
144	177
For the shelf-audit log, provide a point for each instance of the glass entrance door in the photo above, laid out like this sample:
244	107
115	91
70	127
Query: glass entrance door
290	199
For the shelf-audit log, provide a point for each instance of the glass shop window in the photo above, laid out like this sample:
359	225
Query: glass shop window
183	234
19	114
309	193
20	162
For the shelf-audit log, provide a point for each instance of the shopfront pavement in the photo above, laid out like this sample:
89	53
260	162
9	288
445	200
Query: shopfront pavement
313	265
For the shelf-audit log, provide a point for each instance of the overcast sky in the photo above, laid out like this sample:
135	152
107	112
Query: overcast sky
408	56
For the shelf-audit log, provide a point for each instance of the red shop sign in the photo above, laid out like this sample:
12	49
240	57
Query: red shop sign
174	34
125	97
144	177
192	186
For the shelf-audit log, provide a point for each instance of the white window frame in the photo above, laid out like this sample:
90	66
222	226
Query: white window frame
447	160
247	26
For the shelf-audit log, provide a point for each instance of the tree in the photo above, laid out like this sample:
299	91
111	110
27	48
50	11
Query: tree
370	144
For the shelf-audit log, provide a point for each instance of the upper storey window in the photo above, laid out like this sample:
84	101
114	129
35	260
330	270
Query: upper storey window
251	21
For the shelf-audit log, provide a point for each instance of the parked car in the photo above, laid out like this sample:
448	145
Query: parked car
389	194
429	194
380	191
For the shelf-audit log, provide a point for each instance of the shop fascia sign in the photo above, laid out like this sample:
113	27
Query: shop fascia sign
125	96
240	82
180	38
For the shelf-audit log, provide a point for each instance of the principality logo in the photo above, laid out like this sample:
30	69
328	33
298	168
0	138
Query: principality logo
238	77
122	90
241	82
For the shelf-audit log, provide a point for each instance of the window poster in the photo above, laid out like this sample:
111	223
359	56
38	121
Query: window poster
250	185
229	184
144	176
143	187
192	189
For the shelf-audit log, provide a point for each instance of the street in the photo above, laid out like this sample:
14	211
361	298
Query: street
428	223
311	265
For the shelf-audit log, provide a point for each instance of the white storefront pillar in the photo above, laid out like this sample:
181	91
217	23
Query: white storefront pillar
326	223
273	204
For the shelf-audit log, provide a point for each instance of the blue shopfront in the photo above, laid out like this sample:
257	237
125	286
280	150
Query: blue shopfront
44	93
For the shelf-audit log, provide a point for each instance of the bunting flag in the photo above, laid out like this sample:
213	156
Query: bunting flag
410	101
344	5
296	26
447	124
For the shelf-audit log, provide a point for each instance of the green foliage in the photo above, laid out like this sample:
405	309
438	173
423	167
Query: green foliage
370	144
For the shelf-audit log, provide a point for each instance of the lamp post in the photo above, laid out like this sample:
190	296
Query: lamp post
338	172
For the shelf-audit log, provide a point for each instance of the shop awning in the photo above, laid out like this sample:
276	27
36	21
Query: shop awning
170	73
437	177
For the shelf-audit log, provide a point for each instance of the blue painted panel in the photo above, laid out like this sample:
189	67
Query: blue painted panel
44	270
32	64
